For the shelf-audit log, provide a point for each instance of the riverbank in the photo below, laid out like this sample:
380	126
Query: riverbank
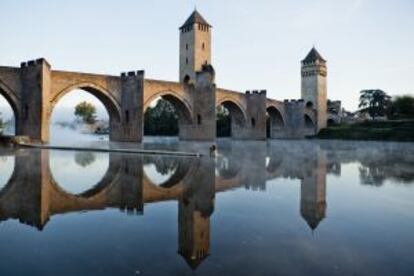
371	130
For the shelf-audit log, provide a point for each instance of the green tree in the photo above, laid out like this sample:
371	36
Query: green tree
86	112
162	119
223	122
403	107
375	101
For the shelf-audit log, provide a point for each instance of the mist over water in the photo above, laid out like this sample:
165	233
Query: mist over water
73	137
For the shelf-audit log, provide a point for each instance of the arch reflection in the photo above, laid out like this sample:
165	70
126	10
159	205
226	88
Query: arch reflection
6	169
77	172
33	196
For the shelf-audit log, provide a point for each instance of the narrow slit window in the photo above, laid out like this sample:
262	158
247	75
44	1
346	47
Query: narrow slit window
127	116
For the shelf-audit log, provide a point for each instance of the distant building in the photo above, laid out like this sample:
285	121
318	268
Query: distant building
335	112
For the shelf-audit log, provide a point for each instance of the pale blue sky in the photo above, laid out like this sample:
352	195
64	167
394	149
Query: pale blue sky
256	44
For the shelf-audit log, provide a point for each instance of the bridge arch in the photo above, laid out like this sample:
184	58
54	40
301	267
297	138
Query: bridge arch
238	114
275	121
309	122
181	105
13	101
104	96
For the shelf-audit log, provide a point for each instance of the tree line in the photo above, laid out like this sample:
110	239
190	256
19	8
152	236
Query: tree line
377	103
161	119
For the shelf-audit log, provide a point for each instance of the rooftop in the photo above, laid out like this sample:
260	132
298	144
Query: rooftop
195	17
313	56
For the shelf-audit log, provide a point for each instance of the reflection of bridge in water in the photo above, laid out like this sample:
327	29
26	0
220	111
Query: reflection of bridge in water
33	196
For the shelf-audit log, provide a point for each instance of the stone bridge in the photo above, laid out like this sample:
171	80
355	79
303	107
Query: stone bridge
33	90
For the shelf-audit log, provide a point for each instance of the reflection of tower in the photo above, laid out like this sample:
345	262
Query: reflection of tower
255	166
27	195
194	233
194	210
130	192
195	46
313	193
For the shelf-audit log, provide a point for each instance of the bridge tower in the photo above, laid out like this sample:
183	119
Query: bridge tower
195	46
36	84
314	90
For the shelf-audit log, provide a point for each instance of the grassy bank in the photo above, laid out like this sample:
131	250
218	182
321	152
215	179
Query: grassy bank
381	131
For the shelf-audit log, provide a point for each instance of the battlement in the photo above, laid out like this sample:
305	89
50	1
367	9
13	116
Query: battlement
139	73
256	92
314	63
294	103
33	63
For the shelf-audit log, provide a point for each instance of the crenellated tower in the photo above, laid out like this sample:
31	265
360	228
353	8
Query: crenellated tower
195	46
314	89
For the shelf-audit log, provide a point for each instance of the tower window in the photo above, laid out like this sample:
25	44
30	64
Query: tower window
186	79
309	104
186	46
253	122
186	60
203	46
127	116
199	119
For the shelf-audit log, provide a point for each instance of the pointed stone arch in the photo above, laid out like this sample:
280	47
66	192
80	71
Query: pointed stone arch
308	121
103	95
275	122
14	103
237	113
182	105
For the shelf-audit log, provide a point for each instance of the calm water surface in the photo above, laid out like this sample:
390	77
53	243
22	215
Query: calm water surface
257	208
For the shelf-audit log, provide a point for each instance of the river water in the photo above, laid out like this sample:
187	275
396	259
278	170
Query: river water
256	208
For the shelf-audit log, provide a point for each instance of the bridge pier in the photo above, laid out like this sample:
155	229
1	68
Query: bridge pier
35	77
130	126
255	125
294	125
203	94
